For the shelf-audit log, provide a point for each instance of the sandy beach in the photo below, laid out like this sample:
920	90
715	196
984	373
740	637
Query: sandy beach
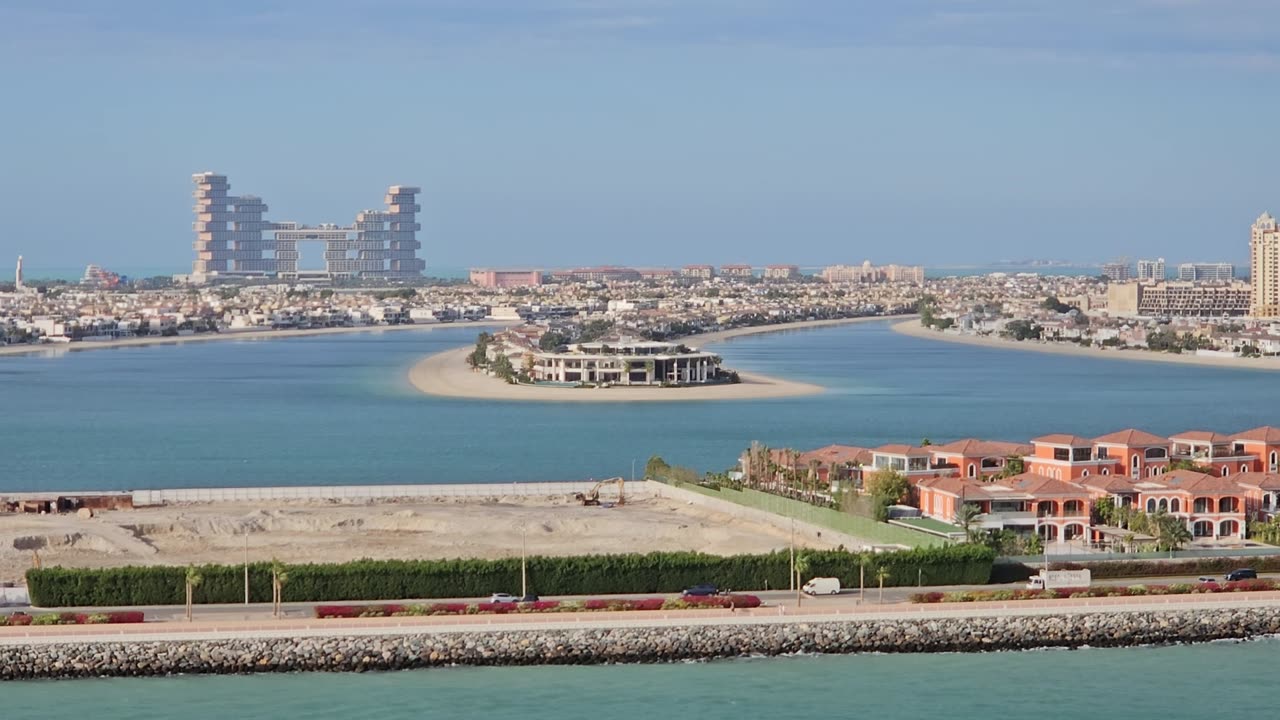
915	329
446	374
322	531
59	348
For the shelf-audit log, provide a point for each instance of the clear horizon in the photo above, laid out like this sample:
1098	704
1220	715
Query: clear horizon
649	132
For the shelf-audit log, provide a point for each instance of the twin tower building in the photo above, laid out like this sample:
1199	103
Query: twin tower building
234	241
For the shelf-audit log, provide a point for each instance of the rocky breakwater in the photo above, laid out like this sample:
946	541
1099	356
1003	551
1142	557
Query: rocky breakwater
630	645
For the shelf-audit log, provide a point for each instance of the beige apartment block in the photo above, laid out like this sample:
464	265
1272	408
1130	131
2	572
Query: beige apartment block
1264	267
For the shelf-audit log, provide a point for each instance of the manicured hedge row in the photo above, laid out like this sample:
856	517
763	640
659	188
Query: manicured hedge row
18	619
1095	592
541	606
581	575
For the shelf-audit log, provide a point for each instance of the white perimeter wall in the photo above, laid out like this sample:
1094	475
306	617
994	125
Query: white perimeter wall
142	498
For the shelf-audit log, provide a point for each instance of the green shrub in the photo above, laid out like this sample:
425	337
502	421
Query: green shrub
580	575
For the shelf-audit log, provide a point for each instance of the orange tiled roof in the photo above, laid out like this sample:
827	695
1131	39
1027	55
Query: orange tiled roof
1131	438
1041	486
1195	482
1201	436
1266	434
971	447
1259	480
910	450
1063	439
837	454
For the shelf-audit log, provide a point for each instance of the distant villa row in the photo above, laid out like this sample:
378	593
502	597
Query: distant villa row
864	273
1054	485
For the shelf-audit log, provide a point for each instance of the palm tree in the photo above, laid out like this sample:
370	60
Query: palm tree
279	576
803	566
882	574
194	579
1171	533
967	519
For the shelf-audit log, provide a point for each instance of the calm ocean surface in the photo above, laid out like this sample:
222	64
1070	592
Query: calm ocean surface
1216	680
338	409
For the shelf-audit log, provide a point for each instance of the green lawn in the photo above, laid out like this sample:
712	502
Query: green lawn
856	525
930	524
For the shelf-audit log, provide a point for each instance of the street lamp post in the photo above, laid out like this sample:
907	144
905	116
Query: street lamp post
246	567
524	559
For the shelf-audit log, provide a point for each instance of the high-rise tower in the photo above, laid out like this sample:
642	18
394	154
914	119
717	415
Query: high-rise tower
232	238
228	231
17	275
1264	267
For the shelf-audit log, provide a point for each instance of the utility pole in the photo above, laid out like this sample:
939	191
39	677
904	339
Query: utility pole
793	554
246	567
633	469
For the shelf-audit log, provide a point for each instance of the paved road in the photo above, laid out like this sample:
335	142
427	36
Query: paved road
847	599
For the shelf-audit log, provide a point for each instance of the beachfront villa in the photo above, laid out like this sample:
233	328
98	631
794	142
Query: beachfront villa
1213	483
627	362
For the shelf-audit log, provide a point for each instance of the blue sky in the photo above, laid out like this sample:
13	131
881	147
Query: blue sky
654	132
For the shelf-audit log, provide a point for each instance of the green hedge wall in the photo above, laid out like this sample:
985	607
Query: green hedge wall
581	575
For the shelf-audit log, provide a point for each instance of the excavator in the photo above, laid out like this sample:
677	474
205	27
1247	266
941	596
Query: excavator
592	496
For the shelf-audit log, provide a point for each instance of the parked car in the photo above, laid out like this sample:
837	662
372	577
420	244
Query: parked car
1207	579
503	598
703	590
1242	574
529	598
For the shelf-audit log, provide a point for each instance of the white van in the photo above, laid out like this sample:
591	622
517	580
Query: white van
822	586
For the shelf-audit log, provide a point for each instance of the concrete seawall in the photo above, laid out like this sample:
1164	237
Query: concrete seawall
587	646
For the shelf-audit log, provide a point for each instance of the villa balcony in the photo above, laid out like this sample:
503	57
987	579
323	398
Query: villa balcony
996	520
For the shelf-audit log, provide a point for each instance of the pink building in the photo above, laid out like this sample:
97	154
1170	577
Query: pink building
484	277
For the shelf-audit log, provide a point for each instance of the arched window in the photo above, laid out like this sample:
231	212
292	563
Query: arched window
1164	504
1085	474
1225	470
1106	471
1273	461
1244	468
1174	505
1151	505
973	470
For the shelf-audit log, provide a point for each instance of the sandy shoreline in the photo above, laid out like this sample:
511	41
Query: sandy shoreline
59	348
446	374
915	329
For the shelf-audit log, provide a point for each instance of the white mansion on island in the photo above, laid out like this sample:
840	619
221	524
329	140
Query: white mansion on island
627	362
614	361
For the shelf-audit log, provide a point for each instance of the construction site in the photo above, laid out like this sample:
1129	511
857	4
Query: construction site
605	517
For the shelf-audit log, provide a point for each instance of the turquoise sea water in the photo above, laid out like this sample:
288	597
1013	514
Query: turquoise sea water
338	409
1170	683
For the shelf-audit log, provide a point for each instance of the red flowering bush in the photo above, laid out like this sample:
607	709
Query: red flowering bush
66	618
541	606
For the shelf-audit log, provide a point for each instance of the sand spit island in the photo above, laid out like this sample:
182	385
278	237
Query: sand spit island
516	367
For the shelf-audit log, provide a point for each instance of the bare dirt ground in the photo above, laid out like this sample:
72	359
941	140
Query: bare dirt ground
328	532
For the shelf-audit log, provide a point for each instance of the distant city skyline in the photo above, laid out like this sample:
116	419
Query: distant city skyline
642	132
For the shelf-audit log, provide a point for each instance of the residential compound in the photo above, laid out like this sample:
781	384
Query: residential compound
1151	269
1179	299
1051	485
868	273
1206	272
484	277
233	240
